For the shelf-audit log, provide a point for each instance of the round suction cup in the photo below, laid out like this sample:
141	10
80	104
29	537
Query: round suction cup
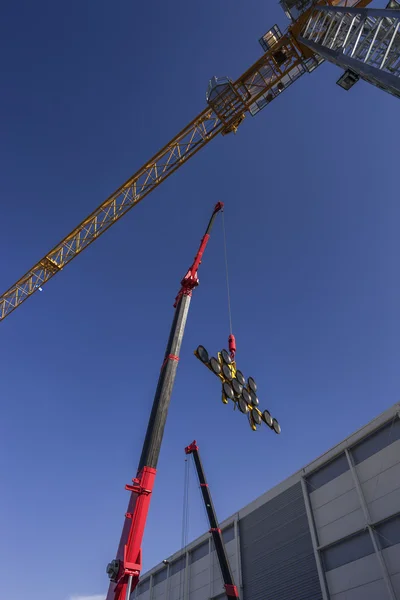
226	357
252	384
256	416
243	406
275	426
237	388
254	399
202	354
267	418
215	366
226	372
228	391
246	396
240	378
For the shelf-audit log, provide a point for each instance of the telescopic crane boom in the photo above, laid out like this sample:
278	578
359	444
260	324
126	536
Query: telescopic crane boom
124	570
227	577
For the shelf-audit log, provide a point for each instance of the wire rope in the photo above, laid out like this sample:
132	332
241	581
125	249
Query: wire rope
227	273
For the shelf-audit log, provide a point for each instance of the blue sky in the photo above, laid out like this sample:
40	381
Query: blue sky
90	91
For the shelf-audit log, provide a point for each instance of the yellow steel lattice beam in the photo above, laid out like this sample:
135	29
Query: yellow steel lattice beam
172	156
252	85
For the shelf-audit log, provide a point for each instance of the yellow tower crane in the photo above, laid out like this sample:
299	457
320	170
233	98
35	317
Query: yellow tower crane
365	43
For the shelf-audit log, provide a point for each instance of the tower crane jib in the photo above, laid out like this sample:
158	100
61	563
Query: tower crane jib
315	34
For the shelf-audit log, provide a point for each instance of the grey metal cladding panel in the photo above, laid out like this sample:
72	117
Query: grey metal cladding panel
389	532
375	590
277	556
375	442
144	596
354	574
385	507
379	462
143	586
391	556
178	565
294	580
327	472
228	534
199	552
384	483
335	488
278	507
346	551
160	576
395	579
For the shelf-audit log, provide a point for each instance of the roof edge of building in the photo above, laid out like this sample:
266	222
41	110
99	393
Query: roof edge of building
324	458
377	422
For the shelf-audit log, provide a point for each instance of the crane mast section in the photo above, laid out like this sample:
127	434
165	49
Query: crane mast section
364	41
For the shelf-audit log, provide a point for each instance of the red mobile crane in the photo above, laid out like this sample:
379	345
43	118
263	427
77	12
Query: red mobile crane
124	570
227	577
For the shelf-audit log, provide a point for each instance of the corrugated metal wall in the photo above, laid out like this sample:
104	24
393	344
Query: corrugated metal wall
277	555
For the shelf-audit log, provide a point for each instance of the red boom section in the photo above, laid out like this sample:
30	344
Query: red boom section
231	590
191	279
129	552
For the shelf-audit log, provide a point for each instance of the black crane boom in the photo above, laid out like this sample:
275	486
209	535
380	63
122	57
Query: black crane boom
227	577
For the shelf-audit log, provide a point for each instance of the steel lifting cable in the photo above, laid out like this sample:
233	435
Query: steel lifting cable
227	274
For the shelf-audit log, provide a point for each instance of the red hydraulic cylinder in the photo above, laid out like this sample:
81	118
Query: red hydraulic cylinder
232	346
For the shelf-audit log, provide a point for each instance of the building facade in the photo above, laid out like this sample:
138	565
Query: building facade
329	532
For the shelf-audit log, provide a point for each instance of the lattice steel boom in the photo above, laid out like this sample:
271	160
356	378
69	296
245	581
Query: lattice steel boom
226	110
364	41
183	146
286	58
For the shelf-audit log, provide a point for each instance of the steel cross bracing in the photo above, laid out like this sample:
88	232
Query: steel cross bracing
225	111
365	40
183	146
